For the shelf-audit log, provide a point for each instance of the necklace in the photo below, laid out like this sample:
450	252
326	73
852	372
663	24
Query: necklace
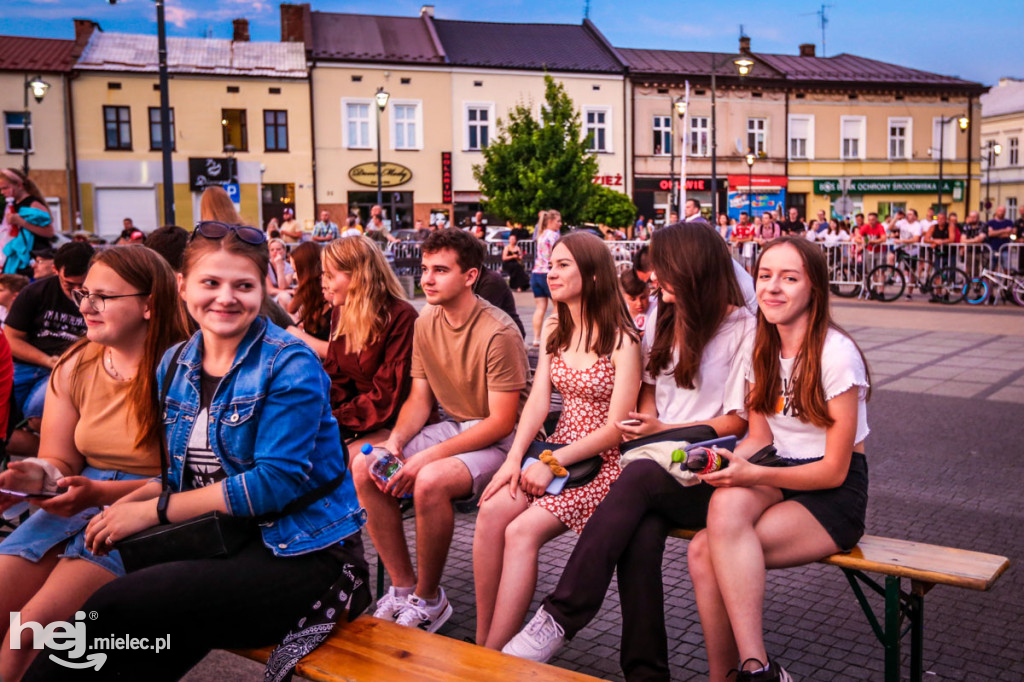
112	370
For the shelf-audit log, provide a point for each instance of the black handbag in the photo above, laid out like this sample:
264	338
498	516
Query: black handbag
580	473
207	536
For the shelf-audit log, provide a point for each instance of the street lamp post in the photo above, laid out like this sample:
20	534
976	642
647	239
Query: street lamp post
994	149
382	101
750	185
38	87
743	65
678	107
962	122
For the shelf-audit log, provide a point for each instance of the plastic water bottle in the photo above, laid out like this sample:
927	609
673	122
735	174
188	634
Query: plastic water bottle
385	463
699	460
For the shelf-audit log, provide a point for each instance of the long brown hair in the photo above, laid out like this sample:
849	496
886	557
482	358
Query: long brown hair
373	287
809	404
693	261
215	204
309	294
145	270
16	175
602	308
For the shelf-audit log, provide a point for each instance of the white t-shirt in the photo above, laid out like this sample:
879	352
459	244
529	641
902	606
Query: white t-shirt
909	230
720	386
746	283
841	368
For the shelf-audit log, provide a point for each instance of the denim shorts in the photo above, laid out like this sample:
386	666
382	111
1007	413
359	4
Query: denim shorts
43	531
539	284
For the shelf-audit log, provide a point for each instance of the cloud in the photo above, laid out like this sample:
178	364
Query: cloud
179	16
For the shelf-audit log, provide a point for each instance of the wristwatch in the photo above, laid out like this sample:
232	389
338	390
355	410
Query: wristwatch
161	506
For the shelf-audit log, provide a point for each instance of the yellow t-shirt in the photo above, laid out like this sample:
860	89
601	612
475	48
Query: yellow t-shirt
106	430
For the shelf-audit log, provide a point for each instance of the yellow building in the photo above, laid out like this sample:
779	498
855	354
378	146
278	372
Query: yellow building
240	116
47	136
1002	129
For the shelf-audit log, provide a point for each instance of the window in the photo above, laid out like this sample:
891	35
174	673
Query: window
756	135
852	137
478	125
1013	145
1011	208
900	140
155	137
801	137
15	132
117	123
944	138
356	126
700	142
596	126
275	130
662	135
406	130
236	133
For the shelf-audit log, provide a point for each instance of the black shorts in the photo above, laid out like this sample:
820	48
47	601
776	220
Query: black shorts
841	510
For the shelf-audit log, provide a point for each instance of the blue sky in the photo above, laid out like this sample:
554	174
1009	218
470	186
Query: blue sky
978	40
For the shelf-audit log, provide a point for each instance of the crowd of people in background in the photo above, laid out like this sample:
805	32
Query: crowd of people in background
280	359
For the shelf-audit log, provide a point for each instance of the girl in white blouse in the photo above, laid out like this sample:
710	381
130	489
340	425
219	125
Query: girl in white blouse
808	386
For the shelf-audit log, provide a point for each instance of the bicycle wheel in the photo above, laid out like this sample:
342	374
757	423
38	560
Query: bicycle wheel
1017	290
886	283
977	291
948	285
925	274
845	281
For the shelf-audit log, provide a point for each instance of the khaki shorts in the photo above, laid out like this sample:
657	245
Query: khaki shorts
482	464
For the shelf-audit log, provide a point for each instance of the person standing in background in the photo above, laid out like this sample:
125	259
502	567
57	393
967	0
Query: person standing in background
291	231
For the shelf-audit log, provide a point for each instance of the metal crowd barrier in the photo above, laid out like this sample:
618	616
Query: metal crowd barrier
1010	257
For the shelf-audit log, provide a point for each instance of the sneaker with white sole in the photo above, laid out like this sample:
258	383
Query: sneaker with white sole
539	640
418	613
773	672
390	604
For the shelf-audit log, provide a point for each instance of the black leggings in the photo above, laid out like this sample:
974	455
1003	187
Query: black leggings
251	599
627	532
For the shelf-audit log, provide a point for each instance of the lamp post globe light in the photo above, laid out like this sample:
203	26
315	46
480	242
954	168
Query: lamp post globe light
381	99
750	185
679	108
994	149
38	87
962	123
743	66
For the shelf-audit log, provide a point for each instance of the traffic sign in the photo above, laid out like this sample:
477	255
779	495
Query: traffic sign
234	192
843	205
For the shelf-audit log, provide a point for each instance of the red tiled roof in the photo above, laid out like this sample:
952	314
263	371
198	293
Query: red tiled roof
36	54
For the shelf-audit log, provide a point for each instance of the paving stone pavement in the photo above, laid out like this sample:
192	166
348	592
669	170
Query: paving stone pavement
946	468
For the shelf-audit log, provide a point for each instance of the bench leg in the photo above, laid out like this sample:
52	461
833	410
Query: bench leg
893	618
380	578
915	603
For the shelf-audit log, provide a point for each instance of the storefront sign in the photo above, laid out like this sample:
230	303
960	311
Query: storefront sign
609	180
446	177
391	174
692	185
203	172
758	202
890	186
758	183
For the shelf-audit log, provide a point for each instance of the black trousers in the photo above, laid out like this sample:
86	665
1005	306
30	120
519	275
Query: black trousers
251	599
627	532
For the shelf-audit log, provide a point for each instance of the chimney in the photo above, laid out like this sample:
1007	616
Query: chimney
83	31
294	19
427	10
806	49
241	34
745	44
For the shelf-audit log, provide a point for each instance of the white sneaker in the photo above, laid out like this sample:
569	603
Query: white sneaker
417	613
539	640
390	604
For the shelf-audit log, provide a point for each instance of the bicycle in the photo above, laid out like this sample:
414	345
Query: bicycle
978	289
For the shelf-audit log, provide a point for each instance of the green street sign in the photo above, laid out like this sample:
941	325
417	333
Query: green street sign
890	186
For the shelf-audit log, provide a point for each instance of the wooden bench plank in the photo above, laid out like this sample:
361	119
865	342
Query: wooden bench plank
373	649
932	564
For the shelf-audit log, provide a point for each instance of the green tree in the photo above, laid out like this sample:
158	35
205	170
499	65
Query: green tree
536	165
609	207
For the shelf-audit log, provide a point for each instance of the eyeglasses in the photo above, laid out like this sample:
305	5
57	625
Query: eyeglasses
99	301
213	229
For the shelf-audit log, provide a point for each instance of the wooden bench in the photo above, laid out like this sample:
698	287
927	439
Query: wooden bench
373	649
925	566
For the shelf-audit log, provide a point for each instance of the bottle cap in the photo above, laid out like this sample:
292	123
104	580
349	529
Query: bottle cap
366	449
678	456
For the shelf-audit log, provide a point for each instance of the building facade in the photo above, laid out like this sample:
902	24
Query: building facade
1002	130
240	118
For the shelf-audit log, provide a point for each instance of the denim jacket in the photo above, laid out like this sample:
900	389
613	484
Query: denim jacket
271	427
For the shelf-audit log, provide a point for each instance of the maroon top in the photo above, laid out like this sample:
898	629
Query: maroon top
369	387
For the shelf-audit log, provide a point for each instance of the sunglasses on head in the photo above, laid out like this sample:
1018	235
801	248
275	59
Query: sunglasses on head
214	229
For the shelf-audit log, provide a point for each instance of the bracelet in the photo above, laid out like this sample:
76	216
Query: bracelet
161	506
552	462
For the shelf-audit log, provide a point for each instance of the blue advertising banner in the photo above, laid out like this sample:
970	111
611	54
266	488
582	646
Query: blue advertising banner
759	202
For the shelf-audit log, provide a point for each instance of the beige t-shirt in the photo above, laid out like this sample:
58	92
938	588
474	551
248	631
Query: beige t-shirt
106	430
462	364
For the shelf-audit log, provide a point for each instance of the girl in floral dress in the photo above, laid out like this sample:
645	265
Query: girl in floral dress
591	354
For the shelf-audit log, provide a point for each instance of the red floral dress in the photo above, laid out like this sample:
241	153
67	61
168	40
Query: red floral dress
586	397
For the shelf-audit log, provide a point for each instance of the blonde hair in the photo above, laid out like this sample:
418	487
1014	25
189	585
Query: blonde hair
373	287
215	204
